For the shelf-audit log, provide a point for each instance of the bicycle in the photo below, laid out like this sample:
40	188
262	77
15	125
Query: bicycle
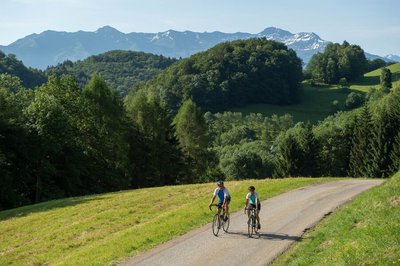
252	223
220	220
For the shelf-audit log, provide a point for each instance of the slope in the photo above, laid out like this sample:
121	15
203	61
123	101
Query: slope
104	229
364	232
372	79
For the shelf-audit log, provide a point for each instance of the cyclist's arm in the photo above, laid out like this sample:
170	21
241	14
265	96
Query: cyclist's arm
225	197
212	200
247	202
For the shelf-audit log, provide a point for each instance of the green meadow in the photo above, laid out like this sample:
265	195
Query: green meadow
105	229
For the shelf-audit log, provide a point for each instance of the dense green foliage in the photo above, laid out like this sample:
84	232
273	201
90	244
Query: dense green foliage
375	64
232	74
386	78
359	143
61	141
336	62
365	231
122	70
243	143
29	77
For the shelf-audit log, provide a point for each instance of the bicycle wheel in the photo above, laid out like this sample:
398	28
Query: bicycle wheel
225	224
216	224
256	227
250	226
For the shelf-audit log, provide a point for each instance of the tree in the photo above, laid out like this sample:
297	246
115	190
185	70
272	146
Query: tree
333	136
310	152
375	64
106	135
386	79
232	74
395	155
48	126
191	132
354	100
336	62
243	165
343	83
360	144
380	147
162	157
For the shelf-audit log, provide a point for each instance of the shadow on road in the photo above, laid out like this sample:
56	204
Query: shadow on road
265	236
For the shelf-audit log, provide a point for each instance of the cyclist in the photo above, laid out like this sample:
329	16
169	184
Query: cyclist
252	198
223	197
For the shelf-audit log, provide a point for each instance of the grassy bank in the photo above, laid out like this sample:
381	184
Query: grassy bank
363	232
105	229
315	104
372	79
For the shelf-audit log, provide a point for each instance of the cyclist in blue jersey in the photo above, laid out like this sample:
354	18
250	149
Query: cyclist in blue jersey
223	197
252	198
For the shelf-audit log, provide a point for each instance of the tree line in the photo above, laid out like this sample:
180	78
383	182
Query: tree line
232	74
122	70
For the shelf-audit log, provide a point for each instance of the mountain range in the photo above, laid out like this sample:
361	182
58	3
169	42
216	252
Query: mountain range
52	47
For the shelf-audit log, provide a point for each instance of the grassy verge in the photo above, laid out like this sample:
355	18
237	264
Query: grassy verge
363	232
105	229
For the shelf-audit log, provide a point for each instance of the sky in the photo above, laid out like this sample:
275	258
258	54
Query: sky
373	24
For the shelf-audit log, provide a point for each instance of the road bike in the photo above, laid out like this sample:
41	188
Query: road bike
252	223
220	220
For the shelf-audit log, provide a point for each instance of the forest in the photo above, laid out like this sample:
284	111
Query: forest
68	137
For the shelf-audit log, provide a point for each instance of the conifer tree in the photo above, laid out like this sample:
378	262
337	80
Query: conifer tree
360	144
380	147
386	79
191	131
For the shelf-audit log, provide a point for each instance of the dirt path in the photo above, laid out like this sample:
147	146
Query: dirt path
283	219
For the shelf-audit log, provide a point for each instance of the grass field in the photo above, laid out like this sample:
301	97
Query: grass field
372	79
363	232
105	229
315	104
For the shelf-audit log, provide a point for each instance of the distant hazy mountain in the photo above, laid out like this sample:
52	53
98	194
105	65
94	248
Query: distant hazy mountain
392	57
53	47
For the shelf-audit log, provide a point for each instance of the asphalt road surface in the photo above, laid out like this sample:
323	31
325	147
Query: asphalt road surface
284	219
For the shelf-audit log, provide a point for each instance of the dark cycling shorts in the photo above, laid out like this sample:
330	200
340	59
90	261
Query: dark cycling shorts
221	203
259	206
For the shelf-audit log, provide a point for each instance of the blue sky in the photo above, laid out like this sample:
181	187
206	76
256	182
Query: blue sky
373	24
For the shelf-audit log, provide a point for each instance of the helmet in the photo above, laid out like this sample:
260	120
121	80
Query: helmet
220	183
252	187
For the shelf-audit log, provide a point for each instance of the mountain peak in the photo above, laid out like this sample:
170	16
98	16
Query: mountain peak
107	29
272	31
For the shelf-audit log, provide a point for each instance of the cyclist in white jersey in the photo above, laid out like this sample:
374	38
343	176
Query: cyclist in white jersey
223	197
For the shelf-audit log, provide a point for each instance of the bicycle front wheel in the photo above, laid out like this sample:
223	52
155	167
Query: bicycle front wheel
216	225
225	225
250	226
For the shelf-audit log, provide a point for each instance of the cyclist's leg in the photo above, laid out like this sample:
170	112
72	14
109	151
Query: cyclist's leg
257	215
219	206
249	209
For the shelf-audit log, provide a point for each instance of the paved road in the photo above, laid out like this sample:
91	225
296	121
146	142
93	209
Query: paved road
283	218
